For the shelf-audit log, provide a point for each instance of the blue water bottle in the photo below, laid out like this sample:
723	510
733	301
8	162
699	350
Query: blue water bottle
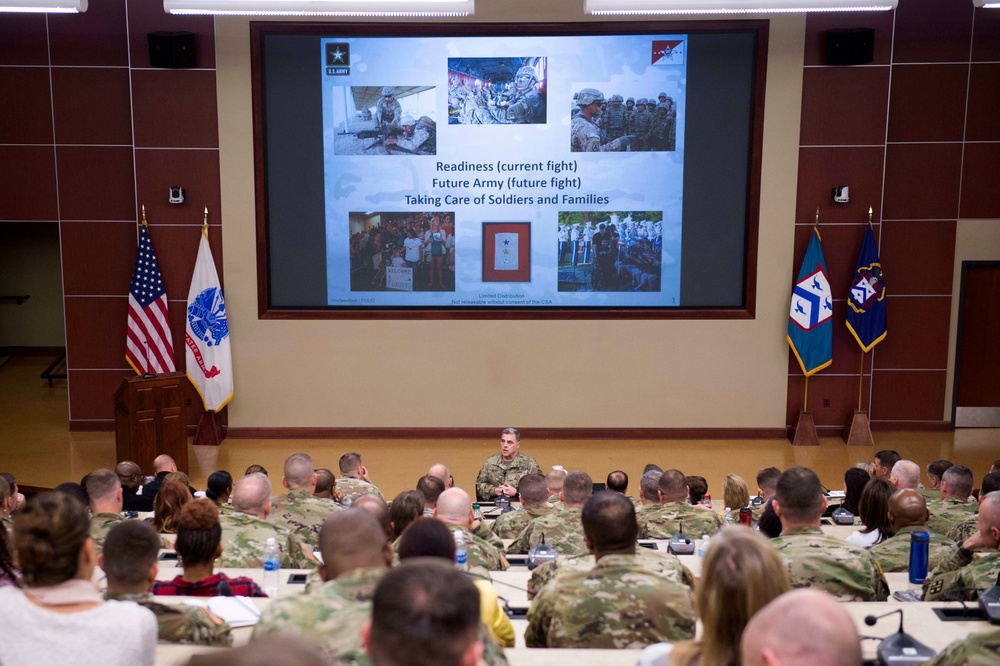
919	544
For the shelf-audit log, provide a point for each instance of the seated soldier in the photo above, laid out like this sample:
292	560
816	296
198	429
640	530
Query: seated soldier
454	509
325	482
129	562
245	529
431	488
956	503
965	573
354	480
908	514
635	607
105	492
618	481
533	493
561	530
814	559
131	479
356	555
934	472
979	648
969	526
666	519
554	484
298	509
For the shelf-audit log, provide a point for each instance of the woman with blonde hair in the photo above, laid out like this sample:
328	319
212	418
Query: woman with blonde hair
742	572
735	493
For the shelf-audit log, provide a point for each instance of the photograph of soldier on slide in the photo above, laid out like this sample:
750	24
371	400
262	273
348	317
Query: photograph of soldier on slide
384	120
601	251
603	123
496	91
402	251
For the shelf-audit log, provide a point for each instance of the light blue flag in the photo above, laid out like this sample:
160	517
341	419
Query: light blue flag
810	317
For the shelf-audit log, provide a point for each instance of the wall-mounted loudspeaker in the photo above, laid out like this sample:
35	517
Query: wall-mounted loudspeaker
174	50
850	47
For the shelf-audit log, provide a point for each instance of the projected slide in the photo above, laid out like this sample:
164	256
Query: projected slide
504	171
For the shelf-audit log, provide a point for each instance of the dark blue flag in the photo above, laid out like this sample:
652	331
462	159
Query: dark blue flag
866	301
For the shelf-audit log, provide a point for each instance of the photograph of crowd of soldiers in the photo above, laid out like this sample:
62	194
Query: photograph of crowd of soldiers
613	124
610	252
387	129
496	91
423	242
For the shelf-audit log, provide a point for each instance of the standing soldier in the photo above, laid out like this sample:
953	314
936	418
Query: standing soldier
614	119
629	114
659	129
585	133
388	112
640	125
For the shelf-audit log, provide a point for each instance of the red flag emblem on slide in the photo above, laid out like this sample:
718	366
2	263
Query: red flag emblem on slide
668	52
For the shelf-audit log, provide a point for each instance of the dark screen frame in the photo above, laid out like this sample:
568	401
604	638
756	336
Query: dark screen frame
266	310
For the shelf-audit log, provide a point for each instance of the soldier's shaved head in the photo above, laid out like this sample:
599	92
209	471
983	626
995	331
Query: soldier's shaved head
649	486
454	507
350	540
907	507
129	474
956	482
325	481
905	474
441	472
989	516
164	463
673	486
823	635
799	497
531	489
374	505
252	495
299	472
577	487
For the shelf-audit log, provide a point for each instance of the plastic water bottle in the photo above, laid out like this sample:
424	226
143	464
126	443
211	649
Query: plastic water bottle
728	516
461	554
702	546
919	544
272	565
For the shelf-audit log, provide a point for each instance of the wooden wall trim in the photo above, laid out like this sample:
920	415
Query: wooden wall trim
493	432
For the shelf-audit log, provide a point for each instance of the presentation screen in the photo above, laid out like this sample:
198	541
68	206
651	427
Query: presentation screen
592	170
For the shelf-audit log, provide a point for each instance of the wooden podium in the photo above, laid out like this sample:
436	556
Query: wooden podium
150	420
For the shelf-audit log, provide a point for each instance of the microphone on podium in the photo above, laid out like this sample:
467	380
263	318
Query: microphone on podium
900	647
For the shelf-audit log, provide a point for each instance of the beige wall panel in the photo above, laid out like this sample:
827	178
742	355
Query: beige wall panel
617	373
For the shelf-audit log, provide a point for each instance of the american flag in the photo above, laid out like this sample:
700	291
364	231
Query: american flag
149	345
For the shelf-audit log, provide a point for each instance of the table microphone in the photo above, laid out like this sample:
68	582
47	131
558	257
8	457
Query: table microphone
680	543
900	647
989	602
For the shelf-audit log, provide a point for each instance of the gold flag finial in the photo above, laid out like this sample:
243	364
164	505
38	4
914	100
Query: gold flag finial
206	215
817	215
869	214
144	213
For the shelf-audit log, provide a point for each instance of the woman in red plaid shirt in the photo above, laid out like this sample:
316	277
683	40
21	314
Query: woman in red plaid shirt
199	544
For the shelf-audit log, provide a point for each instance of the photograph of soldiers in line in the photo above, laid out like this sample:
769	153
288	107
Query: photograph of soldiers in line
496	91
600	251
384	120
613	125
402	251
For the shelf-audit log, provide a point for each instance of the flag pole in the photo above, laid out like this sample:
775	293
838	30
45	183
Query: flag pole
859	432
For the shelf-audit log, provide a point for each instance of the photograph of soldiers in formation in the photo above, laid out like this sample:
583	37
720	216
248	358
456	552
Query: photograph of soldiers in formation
496	91
614	124
402	251
384	120
600	251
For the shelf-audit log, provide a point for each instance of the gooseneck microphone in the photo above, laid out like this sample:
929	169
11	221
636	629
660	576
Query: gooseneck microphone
900	647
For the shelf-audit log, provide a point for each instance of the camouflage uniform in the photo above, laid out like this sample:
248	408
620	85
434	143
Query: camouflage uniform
893	554
844	570
614	122
509	525
7	523
334	614
355	488
226	509
640	128
331	616
664	564
945	514
929	493
585	137
180	623
244	537
959	571
563	531
496	472
302	513
980	649
617	604
662	521
480	552
100	525
959	533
